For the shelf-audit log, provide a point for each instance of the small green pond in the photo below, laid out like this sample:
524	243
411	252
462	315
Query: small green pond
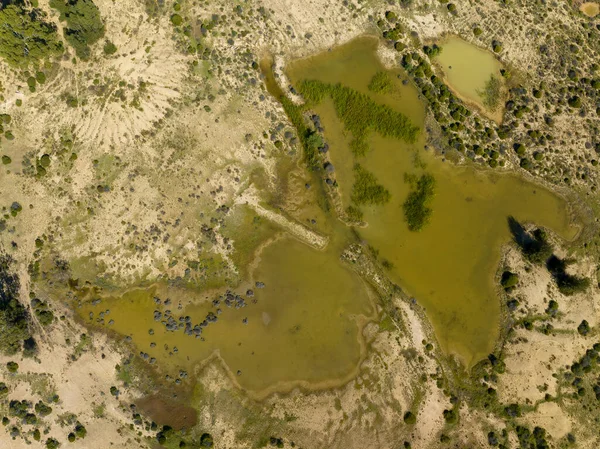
449	266
468	71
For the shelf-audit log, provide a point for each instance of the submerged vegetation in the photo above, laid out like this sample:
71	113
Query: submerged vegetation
366	189
84	25
416	207
26	38
380	83
360	114
491	93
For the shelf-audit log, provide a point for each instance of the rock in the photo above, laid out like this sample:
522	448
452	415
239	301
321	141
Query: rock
260	285
329	182
249	293
329	168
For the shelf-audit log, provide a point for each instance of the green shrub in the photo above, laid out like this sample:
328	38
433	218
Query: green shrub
80	430
206	440
417	212
84	25
574	102
109	48
176	20
410	418
52	443
509	279
583	328
366	190
12	367
42	409
26	38
450	416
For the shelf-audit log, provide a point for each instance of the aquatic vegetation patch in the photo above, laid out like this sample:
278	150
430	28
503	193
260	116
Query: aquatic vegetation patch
380	83
366	189
491	93
416	207
360	114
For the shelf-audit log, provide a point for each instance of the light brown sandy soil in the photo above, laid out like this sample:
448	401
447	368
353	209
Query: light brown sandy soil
82	385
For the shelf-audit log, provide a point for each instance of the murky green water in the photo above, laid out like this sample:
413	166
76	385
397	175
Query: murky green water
467	68
300	329
449	266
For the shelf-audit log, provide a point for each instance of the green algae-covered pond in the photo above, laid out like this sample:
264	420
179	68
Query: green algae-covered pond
449	266
300	329
472	73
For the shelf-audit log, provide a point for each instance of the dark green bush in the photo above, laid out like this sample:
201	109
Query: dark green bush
84	25
26	38
509	279
410	418
109	48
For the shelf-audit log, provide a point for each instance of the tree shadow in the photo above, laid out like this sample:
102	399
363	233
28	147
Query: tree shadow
537	249
520	235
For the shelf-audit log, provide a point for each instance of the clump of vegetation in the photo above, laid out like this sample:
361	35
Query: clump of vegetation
176	20
42	409
416	207
26	38
12	367
84	24
380	83
491	93
366	189
410	418
52	443
583	328
42	312
360	114
14	320
109	48
533	440
432	51
509	280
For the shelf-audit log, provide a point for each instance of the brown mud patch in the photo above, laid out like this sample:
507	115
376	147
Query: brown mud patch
167	411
